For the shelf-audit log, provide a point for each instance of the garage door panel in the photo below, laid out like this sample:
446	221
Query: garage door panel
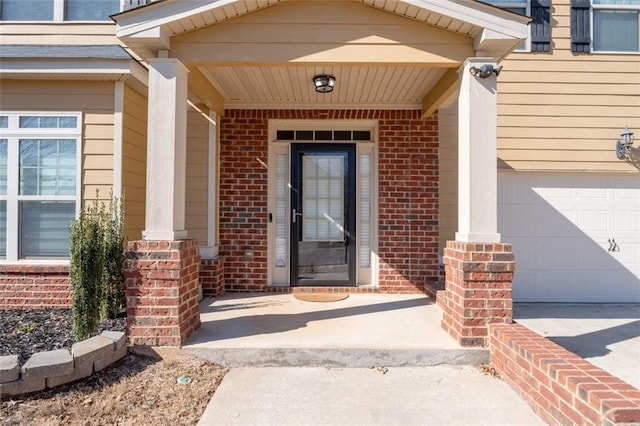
560	226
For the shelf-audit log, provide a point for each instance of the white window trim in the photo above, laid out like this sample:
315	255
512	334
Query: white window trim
13	133
595	7
59	11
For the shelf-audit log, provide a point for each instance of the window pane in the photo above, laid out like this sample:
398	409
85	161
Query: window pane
618	2
27	10
615	30
3	167
90	10
47	122
3	228
4	122
44	228
47	167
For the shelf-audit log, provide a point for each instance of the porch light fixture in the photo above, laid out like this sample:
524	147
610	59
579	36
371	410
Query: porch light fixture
324	83
485	71
624	144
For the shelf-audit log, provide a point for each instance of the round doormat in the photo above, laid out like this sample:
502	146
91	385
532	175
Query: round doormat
320	297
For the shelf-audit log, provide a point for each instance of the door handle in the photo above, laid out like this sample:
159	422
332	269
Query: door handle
295	214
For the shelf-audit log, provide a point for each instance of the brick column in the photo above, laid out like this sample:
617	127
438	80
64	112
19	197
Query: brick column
478	279
162	292
212	276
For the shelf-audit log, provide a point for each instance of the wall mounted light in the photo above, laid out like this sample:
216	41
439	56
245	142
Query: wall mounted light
624	144
324	83
485	71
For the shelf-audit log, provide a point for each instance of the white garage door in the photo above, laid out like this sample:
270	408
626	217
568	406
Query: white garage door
563	229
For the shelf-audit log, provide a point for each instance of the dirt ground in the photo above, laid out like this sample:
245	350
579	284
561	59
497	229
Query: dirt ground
138	390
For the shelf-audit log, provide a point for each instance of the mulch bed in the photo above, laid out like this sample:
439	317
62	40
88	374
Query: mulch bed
24	332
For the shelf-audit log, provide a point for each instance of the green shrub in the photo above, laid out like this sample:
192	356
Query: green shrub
96	265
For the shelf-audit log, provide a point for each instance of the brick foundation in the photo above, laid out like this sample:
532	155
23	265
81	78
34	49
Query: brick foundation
34	286
561	387
477	289
407	197
162	292
212	276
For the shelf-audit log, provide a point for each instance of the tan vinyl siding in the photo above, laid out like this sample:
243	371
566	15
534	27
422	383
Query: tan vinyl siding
134	161
15	33
448	173
95	100
197	176
561	111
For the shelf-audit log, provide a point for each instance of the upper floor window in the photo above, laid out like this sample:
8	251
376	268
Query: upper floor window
63	10
615	25
539	39
605	26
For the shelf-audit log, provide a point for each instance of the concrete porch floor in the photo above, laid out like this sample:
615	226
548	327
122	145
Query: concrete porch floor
363	330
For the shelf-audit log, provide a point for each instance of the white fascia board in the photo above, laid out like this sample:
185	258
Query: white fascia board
156	38
489	40
478	14
73	66
146	18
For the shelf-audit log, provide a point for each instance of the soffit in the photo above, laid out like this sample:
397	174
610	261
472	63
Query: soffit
381	87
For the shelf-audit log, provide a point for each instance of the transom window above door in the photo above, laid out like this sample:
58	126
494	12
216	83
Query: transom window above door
324	135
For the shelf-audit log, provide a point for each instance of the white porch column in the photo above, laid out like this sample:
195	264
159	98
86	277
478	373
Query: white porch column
477	150
211	249
166	150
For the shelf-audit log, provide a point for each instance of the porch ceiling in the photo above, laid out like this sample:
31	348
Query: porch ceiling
292	86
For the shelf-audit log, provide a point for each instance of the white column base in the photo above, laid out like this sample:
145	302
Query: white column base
477	238
208	252
164	235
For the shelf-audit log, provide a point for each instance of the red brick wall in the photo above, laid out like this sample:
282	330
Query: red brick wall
478	290
34	286
162	292
212	276
561	387
408	195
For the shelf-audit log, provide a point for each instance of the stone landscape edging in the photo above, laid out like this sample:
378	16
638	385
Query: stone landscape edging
54	368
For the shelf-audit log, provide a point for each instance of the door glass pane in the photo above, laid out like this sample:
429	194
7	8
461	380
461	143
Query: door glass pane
323	253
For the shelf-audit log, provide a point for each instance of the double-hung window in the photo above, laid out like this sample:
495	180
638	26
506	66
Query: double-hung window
615	25
64	10
39	183
605	26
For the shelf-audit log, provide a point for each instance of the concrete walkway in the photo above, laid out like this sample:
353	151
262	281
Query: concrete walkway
607	335
371	359
442	395
363	330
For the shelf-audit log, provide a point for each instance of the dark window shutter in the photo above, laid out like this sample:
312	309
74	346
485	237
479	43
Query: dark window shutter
580	26
541	25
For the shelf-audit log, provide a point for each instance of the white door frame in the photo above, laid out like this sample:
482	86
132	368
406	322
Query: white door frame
278	275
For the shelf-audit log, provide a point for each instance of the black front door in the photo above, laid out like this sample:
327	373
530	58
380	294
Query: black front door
323	206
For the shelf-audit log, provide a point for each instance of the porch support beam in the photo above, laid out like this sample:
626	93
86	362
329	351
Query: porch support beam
166	150
477	148
441	91
202	88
